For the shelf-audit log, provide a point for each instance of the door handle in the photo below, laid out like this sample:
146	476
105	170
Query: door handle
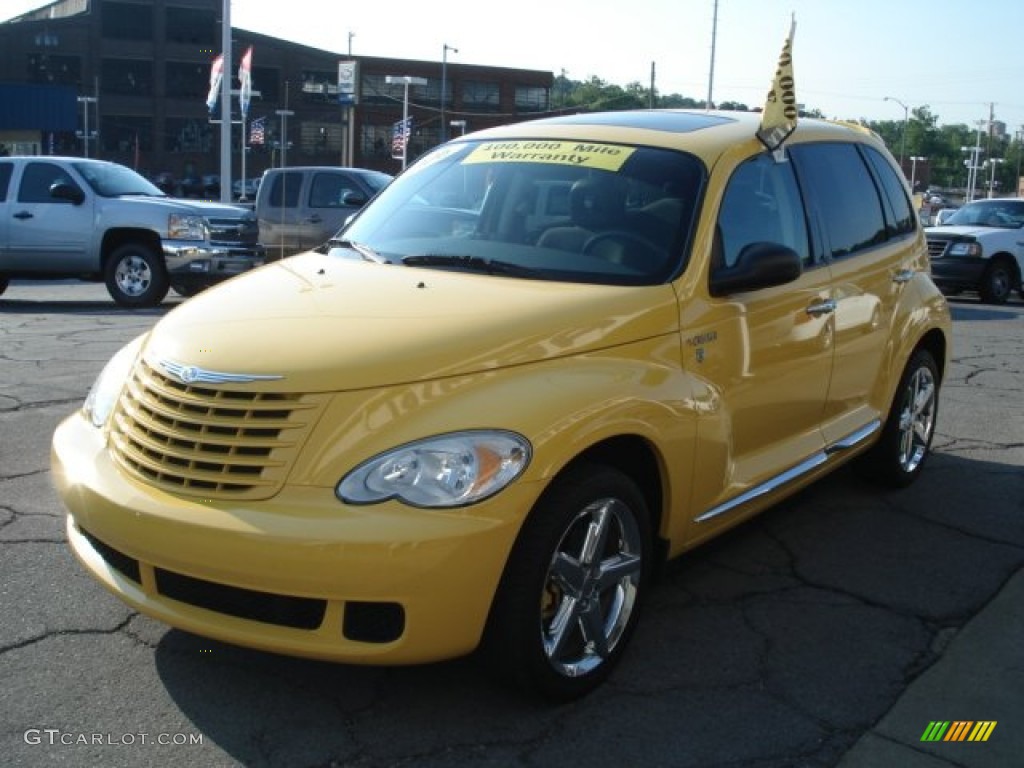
822	308
23	215
903	276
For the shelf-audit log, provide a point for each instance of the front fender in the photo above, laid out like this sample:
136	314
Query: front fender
563	407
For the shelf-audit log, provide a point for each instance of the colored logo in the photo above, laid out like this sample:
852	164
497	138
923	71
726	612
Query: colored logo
958	730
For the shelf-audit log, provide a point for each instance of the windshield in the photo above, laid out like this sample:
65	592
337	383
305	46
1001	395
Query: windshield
113	180
555	210
1007	214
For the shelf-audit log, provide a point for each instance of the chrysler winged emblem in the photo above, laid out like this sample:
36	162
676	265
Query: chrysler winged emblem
192	374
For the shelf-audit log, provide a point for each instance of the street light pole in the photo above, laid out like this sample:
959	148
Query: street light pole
993	162
406	81
444	87
284	114
906	118
85	101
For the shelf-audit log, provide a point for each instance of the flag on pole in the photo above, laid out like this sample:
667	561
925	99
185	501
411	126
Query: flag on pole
400	138
245	79
780	108
258	131
216	75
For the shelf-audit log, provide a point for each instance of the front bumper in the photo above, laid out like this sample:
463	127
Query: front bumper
197	265
300	574
958	273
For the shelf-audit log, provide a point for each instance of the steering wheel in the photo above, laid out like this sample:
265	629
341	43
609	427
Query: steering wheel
626	239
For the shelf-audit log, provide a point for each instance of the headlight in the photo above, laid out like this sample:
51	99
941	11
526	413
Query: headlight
444	471
964	249
186	227
107	387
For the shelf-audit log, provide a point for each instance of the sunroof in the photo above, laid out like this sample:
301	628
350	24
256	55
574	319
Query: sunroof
655	120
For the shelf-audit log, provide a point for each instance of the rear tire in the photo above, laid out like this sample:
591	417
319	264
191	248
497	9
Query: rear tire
136	276
570	596
899	455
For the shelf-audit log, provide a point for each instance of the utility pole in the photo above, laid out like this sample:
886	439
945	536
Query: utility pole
711	73
225	104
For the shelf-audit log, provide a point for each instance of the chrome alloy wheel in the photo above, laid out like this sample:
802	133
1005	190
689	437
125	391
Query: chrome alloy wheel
133	275
591	587
917	418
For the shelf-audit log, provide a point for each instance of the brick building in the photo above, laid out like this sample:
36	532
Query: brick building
139	74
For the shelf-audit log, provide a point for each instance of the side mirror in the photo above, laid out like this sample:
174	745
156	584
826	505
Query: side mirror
61	190
354	199
760	265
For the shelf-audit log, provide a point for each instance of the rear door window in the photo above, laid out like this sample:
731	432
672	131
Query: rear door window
841	190
284	190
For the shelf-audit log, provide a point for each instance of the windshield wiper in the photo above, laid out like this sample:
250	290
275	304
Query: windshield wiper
365	251
475	263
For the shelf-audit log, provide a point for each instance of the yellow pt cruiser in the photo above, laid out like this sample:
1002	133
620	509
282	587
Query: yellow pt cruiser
547	357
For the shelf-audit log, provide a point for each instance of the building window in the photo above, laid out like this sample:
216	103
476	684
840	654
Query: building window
319	85
187	80
186	134
481	97
192	26
265	80
48	68
376	90
127	21
122	134
127	76
319	138
375	141
531	98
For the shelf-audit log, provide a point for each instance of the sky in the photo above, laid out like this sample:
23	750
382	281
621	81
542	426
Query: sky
963	60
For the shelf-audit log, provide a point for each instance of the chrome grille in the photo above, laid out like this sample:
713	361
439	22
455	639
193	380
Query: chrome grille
936	248
242	231
207	441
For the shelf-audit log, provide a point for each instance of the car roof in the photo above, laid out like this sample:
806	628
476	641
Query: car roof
707	133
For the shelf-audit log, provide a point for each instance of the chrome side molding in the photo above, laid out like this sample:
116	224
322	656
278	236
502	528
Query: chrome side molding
850	441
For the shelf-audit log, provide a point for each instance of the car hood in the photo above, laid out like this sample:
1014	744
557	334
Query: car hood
199	207
963	230
330	324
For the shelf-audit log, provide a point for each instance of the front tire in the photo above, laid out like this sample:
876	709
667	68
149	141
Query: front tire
136	276
997	282
898	457
570	596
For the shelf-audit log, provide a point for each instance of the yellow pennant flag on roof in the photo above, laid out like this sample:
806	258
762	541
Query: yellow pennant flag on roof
778	119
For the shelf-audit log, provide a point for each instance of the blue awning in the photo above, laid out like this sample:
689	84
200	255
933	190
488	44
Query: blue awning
38	107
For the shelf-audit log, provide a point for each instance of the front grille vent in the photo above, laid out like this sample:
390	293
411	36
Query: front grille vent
206	441
936	248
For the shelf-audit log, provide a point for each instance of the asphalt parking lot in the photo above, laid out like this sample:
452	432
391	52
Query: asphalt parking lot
830	631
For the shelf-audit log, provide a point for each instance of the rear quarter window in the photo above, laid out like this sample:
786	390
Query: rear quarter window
6	170
899	214
842	192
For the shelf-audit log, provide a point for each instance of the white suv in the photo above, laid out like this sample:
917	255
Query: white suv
980	248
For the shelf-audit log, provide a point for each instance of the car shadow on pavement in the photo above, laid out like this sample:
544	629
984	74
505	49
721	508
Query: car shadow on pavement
86	308
788	637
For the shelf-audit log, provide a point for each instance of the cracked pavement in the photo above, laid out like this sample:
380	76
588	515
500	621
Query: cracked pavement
819	634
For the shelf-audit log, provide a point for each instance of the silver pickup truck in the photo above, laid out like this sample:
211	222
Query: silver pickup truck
69	217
